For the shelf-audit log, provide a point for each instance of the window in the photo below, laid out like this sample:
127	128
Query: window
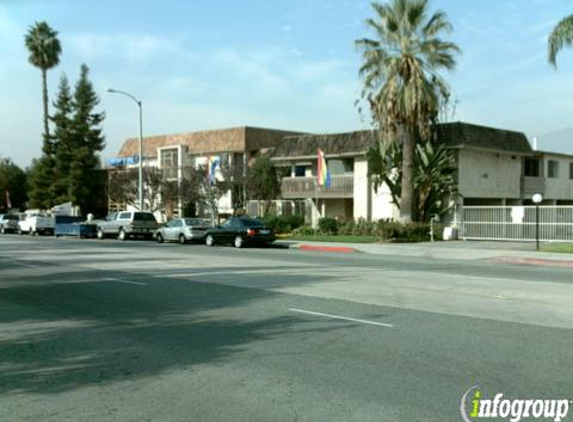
124	216
531	167
300	171
340	166
170	162
570	170
552	169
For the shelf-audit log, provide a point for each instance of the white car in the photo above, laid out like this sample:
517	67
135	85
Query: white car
36	222
182	230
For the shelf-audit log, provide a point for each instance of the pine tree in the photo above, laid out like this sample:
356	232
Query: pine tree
87	141
63	143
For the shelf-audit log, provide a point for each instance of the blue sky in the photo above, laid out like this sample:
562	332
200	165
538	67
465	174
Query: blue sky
288	64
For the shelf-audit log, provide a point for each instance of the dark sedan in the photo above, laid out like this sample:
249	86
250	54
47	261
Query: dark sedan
240	231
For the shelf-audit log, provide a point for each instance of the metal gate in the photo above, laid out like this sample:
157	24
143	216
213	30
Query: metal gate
517	223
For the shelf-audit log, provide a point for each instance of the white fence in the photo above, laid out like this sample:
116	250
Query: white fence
517	223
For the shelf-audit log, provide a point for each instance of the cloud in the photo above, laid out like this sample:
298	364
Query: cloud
133	48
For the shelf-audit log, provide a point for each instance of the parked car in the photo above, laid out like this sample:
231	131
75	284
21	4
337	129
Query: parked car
9	223
240	231
126	224
182	230
36	222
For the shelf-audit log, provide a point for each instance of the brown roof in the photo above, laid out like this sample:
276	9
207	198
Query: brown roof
221	140
454	135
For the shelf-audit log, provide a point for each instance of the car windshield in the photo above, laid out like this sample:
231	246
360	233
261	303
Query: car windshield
194	222
250	222
143	216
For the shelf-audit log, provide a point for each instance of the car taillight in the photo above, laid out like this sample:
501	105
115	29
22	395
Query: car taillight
251	232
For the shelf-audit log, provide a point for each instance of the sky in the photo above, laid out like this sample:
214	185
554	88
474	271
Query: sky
288	64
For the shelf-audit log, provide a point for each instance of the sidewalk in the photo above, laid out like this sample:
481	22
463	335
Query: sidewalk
509	252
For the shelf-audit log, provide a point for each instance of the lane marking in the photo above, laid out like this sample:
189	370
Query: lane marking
119	280
363	321
25	265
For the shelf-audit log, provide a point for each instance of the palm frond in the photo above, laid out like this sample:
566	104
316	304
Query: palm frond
561	36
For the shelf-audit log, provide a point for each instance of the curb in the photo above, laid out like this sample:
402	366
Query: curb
339	249
536	261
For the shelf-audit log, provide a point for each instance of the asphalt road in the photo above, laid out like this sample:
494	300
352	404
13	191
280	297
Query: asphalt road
136	331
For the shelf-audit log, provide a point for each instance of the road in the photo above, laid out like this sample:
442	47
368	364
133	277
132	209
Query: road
136	331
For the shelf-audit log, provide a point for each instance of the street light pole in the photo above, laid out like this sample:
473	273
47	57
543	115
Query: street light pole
537	198
140	158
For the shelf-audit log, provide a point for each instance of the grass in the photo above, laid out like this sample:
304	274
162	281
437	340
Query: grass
559	248
343	238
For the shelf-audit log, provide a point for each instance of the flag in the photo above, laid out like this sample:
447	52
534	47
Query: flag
8	202
322	173
212	164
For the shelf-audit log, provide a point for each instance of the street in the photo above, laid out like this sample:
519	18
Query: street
138	331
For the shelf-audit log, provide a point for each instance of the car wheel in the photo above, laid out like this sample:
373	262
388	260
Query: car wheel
20	232
31	232
100	234
182	239
2	230
209	240
159	238
239	242
122	235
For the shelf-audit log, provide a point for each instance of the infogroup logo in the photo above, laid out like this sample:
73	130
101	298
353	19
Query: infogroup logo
474	406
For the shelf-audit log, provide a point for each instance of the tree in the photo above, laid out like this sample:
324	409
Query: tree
12	185
561	36
44	47
264	181
234	180
433	176
40	181
198	190
63	143
402	83
87	141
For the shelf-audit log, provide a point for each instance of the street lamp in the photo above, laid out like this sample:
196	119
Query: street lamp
140	178
537	198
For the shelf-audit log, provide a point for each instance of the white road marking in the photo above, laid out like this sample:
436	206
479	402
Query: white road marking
119	280
363	321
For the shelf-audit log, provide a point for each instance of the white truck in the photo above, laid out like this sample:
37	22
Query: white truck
36	222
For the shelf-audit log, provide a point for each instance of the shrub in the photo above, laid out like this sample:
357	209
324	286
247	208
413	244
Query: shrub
303	231
283	223
328	225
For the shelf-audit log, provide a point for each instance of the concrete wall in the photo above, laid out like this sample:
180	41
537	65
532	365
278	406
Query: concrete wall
361	200
382	206
484	174
561	187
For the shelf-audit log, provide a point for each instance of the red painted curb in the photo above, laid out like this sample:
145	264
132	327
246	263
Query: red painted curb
536	261
343	249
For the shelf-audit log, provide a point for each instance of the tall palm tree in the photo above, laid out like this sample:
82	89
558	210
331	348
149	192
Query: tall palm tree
44	47
402	82
562	35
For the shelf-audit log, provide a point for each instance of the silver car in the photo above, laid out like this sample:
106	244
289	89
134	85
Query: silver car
182	230
9	223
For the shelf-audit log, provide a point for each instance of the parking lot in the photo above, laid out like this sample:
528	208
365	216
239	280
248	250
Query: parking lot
136	330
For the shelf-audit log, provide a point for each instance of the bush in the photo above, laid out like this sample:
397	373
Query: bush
303	231
328	225
283	223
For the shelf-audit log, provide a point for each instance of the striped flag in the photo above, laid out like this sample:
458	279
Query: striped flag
322	173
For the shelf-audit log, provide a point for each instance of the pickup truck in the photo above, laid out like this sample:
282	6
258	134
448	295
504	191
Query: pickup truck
36	223
126	224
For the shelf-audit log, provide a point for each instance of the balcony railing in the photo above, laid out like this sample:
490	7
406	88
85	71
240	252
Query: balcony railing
342	186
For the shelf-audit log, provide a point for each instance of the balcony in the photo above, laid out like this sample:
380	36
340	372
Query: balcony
342	186
533	185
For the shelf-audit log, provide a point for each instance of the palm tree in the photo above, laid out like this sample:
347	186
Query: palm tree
402	83
562	35
44	48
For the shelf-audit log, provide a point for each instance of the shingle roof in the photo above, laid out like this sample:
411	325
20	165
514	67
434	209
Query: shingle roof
466	135
332	144
454	135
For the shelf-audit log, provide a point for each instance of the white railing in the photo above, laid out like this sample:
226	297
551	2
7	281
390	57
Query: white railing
342	186
517	223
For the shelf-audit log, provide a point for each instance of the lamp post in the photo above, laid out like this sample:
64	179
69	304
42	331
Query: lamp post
537	198
140	160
